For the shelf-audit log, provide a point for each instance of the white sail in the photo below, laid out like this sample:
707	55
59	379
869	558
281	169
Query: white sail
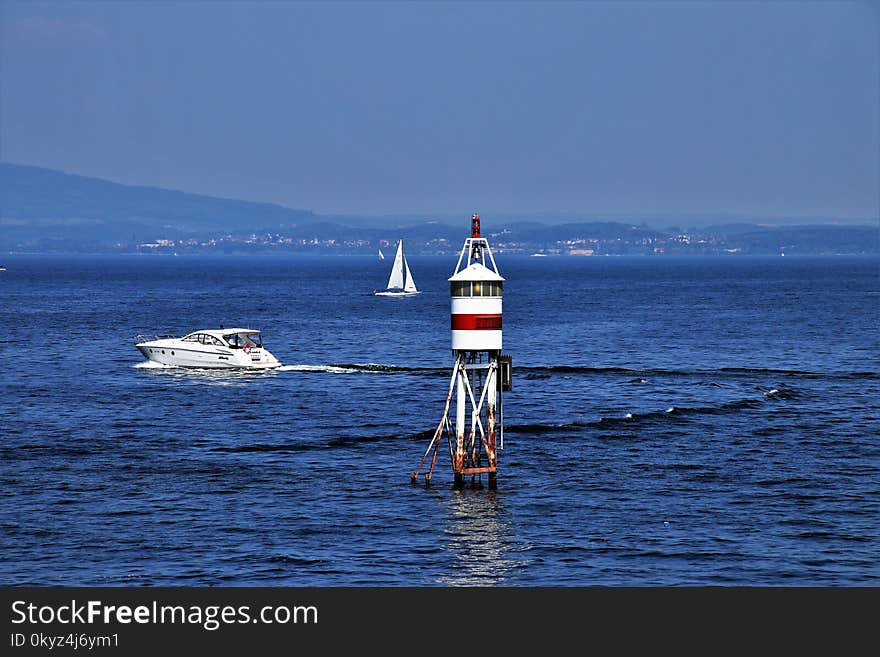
400	282
395	281
410	285
381	255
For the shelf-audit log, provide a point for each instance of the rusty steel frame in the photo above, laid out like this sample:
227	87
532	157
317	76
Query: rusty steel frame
466	454
444	423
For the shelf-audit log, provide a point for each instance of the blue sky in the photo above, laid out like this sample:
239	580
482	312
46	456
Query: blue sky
764	109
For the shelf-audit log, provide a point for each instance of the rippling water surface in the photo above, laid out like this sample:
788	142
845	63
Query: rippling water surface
697	421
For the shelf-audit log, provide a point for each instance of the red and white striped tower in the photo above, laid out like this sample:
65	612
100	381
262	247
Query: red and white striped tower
480	373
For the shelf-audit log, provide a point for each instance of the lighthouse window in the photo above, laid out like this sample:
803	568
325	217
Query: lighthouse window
476	289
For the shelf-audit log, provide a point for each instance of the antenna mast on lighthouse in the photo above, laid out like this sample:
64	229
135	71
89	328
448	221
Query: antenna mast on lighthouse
480	372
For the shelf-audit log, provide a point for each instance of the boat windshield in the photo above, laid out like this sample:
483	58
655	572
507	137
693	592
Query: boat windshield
203	338
240	340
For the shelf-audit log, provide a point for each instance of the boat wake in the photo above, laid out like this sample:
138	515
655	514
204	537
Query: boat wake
672	413
363	368
327	369
153	365
640	376
334	443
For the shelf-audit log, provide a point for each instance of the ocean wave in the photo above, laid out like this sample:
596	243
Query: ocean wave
800	373
339	441
542	428
354	441
298	561
781	393
262	447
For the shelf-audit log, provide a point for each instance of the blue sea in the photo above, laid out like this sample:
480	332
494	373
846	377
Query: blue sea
673	422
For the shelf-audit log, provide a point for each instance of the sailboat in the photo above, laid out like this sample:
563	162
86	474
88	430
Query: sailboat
381	255
400	282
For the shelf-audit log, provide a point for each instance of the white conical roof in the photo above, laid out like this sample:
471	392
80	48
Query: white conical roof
476	272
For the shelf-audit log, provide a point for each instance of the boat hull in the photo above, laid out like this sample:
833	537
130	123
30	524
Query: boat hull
395	294
175	353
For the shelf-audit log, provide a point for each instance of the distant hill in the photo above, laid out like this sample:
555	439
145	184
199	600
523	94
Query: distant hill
807	239
732	229
539	233
65	206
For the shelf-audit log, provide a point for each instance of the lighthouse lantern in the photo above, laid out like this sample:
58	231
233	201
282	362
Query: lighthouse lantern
476	288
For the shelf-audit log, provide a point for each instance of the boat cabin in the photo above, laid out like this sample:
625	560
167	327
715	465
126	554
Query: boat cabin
233	338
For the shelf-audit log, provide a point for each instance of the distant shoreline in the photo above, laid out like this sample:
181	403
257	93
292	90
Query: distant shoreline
48	211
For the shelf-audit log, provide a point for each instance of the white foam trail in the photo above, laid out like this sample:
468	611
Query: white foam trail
153	365
331	369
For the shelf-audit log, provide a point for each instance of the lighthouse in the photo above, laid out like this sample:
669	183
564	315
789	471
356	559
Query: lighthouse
480	372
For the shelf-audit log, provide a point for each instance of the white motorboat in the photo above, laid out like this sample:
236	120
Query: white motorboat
400	282
212	348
